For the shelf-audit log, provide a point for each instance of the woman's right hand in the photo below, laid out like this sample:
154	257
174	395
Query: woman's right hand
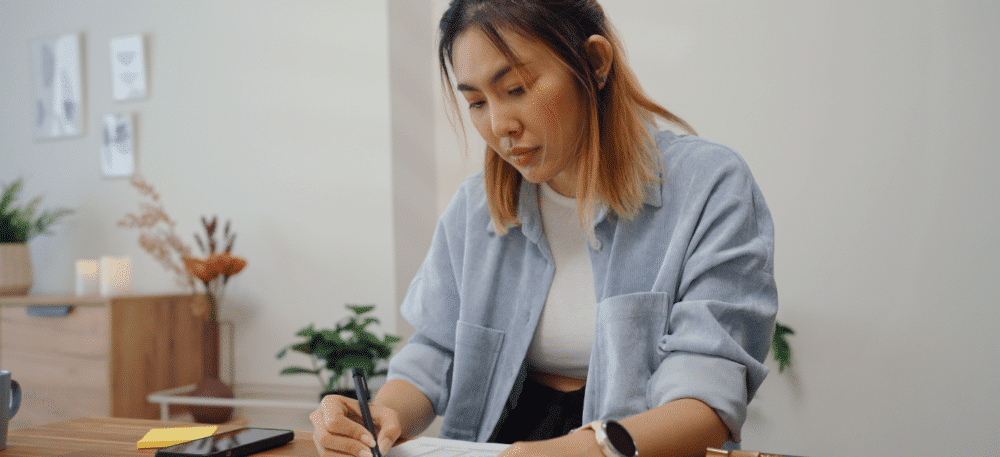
339	430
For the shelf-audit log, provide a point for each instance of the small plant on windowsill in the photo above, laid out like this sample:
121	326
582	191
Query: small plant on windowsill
333	352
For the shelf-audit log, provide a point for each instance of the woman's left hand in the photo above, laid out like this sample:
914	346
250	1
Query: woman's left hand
576	444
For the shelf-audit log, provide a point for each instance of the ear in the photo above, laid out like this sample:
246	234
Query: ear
600	53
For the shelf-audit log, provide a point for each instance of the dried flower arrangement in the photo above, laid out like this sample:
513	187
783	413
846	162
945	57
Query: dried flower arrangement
158	237
216	268
156	233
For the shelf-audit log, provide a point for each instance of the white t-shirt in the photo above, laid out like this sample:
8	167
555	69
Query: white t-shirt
565	332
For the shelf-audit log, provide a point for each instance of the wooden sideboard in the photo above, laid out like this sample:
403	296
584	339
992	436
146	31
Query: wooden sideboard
101	359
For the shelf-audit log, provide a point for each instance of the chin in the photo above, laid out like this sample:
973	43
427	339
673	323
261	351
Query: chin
533	177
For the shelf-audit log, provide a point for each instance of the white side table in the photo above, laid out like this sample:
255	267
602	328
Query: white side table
246	396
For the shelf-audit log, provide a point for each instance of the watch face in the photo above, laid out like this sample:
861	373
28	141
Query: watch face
620	438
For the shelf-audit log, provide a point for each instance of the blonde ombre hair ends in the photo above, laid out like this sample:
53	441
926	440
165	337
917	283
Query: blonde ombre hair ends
618	155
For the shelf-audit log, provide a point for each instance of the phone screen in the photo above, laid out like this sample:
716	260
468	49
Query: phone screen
226	441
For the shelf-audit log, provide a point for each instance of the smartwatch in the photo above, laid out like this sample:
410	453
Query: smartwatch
613	439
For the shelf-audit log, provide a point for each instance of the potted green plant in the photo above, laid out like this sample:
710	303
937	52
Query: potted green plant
333	352
18	225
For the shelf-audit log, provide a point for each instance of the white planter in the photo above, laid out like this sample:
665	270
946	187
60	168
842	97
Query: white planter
15	269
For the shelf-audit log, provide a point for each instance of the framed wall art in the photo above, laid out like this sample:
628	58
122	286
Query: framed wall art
117	146
58	89
128	67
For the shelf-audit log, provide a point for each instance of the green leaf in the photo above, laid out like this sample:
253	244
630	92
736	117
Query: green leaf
357	347
361	309
306	332
28	212
302	347
10	194
299	370
350	326
324	349
779	345
330	335
370	320
281	353
357	361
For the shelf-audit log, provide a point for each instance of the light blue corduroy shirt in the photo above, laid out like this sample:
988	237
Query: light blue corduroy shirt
685	291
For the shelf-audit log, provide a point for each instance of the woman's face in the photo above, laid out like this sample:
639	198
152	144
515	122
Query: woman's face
537	105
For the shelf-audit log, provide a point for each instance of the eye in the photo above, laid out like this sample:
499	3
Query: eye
516	91
475	105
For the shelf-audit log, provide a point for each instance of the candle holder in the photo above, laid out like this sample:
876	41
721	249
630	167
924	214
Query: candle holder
87	277
115	275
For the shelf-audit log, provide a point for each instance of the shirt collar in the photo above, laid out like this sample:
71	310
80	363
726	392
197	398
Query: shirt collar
531	218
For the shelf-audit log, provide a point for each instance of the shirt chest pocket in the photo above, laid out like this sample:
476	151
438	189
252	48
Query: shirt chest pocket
628	330
477	350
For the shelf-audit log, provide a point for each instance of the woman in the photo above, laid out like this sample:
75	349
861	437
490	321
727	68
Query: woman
597	269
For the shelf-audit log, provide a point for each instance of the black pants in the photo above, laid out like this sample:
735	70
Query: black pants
541	412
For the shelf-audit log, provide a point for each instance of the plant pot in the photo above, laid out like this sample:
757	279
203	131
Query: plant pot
15	269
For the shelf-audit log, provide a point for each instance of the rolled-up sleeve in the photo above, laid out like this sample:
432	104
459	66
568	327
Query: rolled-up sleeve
431	306
720	326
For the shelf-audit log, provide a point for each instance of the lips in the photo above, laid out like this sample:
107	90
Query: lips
522	156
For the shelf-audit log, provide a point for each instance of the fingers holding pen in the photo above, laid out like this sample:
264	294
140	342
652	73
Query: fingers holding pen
338	427
388	426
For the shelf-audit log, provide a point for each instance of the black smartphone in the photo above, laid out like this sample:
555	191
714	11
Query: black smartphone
240	442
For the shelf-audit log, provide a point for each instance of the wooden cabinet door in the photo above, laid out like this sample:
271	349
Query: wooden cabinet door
155	345
61	363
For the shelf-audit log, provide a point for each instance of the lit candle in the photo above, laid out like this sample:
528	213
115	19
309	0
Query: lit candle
116	275
86	277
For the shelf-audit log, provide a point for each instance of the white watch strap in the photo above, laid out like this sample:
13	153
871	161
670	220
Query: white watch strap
600	433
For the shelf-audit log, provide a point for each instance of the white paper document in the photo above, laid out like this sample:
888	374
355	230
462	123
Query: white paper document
437	447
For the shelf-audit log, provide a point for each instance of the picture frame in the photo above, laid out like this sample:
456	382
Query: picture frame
117	146
128	68
58	88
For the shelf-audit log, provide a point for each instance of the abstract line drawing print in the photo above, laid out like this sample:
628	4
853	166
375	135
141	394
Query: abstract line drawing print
117	155
128	67
58	89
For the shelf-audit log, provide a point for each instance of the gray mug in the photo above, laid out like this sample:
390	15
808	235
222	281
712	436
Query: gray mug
10	394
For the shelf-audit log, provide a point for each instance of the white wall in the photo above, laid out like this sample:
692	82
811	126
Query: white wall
873	129
415	190
273	114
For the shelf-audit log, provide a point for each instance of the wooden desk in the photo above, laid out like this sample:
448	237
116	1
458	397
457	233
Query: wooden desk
116	437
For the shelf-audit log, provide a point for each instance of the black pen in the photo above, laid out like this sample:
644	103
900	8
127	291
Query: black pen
361	388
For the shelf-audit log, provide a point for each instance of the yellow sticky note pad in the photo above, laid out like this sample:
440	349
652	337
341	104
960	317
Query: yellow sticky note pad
163	437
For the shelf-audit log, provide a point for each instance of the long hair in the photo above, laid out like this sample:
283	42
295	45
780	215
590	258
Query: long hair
618	154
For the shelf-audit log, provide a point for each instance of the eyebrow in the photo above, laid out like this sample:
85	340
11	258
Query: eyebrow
496	77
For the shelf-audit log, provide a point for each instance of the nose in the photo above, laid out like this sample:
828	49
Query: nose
504	121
